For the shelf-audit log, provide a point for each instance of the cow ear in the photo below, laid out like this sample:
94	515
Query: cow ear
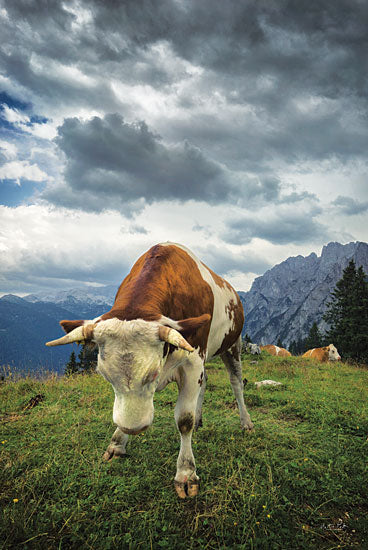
192	324
68	326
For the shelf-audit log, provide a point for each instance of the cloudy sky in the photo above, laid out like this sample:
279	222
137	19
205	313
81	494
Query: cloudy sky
237	128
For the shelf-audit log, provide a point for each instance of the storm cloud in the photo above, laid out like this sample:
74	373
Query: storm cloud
116	162
237	128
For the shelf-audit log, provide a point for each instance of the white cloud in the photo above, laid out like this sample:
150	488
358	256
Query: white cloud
45	130
14	116
45	247
8	150
21	169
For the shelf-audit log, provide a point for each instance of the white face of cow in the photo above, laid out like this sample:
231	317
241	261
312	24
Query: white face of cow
333	354
131	358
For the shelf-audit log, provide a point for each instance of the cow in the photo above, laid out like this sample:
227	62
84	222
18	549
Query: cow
328	353
253	349
171	314
275	350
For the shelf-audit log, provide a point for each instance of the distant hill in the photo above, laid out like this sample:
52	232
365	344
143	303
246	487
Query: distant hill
27	323
24	329
285	301
85	303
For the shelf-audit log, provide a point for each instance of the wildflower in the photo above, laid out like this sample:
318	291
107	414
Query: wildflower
235	523
268	515
15	500
3	442
305	460
263	506
257	522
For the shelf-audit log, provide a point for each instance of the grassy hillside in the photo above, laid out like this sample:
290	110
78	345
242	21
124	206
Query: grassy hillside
298	481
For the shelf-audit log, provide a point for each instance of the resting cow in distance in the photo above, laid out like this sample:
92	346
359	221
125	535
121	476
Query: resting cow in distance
171	314
328	353
275	350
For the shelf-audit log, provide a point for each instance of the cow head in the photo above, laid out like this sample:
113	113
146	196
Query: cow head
333	354
131	357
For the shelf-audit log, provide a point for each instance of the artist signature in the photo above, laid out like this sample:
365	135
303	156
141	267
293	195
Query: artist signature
338	526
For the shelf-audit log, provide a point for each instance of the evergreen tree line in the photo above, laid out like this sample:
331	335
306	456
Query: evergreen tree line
315	339
86	363
346	313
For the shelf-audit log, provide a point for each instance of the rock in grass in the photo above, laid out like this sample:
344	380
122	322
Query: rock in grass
267	383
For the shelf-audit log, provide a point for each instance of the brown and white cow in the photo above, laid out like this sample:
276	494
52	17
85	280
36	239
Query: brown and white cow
171	314
328	353
275	350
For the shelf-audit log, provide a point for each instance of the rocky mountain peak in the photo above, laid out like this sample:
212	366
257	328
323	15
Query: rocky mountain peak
285	301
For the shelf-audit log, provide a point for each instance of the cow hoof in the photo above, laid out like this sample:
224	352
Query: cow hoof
187	489
109	454
248	427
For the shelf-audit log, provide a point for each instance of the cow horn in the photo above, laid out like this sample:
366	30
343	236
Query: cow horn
79	334
172	336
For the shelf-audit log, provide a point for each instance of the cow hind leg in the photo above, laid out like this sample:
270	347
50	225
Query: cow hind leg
202	381
232	361
117	446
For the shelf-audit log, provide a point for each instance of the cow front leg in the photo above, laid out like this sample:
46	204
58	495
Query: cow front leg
117	446
186	480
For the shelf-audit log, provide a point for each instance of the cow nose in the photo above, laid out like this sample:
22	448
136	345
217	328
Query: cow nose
134	431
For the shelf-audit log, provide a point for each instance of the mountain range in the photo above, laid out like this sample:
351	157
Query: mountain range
27	323
281	304
285	301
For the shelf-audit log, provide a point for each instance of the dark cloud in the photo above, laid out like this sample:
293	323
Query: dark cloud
114	164
308	45
276	227
299	65
350	206
224	262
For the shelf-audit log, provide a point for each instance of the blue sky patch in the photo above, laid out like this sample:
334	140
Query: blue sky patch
12	194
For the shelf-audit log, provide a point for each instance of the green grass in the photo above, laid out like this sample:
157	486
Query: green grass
299	480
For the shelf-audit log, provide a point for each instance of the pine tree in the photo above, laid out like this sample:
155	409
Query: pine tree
87	358
279	343
359	321
347	314
293	348
297	347
314	338
72	365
